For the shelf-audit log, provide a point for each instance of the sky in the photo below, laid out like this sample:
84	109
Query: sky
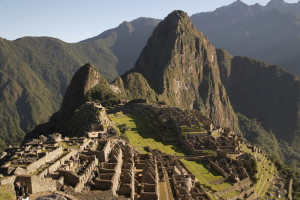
76	20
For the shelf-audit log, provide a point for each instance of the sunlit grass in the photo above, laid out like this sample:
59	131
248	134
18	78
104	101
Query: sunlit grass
141	134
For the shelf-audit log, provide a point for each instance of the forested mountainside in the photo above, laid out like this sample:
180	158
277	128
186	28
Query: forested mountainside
35	72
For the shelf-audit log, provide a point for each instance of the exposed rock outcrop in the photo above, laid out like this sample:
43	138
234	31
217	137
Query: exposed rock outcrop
262	91
180	65
80	90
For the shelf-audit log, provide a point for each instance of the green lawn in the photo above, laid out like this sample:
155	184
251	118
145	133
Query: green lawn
7	193
142	135
205	175
265	172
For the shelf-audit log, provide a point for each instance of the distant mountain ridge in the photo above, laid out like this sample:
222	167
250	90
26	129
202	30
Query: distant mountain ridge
35	72
51	62
180	67
269	33
127	40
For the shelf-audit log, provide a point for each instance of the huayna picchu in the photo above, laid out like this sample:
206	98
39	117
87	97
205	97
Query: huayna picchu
167	129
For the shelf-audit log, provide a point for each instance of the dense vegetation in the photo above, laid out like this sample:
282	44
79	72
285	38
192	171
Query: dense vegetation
35	72
256	134
290	173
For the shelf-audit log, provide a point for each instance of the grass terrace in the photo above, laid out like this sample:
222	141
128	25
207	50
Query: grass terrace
192	129
66	146
141	134
266	172
7	192
206	176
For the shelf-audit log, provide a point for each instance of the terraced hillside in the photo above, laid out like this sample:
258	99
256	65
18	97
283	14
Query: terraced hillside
142	136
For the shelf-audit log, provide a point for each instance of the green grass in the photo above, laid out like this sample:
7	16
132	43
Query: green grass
230	194
206	175
142	135
265	172
66	146
163	191
6	192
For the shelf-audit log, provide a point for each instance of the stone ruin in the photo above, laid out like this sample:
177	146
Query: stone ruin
171	123
225	144
112	165
182	182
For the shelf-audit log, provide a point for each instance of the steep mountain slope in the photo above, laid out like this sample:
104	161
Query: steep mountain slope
35	72
83	82
261	91
266	93
127	40
184	70
180	65
268	33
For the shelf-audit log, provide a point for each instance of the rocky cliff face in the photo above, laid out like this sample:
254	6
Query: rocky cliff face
180	65
85	80
262	91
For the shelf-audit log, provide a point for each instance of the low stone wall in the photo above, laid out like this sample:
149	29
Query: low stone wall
43	184
69	177
102	155
219	169
85	177
52	168
49	157
118	170
85	144
8	180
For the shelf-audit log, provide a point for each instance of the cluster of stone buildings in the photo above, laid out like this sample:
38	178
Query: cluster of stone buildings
200	136
171	123
110	164
107	165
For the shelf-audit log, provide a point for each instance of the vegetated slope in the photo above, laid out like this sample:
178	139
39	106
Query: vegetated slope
35	72
86	85
127	40
264	92
269	33
179	67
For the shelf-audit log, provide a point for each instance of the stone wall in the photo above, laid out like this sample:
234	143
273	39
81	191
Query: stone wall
85	144
69	177
52	168
219	169
49	157
101	155
43	184
118	170
8	180
85	177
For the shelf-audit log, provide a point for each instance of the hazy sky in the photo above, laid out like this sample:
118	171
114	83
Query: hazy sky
75	20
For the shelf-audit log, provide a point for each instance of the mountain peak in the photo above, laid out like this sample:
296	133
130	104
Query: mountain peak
178	13
276	3
238	3
176	17
84	79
